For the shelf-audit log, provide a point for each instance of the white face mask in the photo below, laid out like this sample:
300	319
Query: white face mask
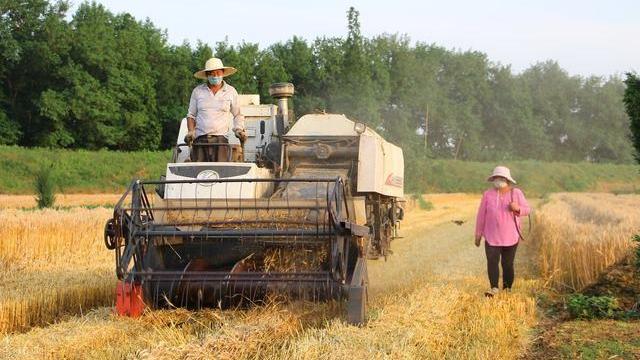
499	184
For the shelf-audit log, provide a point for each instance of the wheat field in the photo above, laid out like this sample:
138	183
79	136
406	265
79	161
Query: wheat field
53	263
62	200
579	235
425	302
421	305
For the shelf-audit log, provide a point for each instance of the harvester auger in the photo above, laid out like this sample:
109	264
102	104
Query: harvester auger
299	217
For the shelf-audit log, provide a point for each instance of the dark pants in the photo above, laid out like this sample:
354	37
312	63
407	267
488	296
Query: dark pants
504	255
207	152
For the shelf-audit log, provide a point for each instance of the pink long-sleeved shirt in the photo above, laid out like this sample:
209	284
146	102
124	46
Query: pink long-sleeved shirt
495	219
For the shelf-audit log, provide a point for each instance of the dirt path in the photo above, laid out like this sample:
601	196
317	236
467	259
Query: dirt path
431	245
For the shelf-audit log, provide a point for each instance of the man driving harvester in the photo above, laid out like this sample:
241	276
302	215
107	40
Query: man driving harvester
211	107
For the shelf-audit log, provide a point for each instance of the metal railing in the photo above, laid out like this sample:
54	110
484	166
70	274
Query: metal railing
177	149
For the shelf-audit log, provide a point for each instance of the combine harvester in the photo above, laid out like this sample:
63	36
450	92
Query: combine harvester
299	214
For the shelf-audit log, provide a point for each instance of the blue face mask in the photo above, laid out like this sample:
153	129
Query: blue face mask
214	80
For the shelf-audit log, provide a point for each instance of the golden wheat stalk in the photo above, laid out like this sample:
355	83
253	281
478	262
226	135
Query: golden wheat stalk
580	235
52	263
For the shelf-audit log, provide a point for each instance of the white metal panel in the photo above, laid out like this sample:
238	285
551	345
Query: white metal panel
380	163
248	190
380	166
184	150
254	115
393	171
323	125
369	164
248	99
258	110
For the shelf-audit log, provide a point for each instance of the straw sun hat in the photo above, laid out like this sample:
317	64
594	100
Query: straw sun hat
214	64
501	171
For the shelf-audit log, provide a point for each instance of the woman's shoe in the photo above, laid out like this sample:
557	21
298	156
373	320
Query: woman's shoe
491	292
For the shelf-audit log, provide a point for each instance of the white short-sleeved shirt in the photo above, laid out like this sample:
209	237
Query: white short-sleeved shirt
213	112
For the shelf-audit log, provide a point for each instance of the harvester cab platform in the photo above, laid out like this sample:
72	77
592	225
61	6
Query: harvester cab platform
299	215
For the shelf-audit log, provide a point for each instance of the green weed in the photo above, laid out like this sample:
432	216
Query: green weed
45	187
581	306
422	203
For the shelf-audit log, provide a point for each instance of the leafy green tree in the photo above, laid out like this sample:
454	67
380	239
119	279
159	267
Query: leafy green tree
299	63
603	124
33	43
352	86
108	85
329	58
9	131
508	129
269	70
10	54
554	97
243	57
402	96
173	73
632	105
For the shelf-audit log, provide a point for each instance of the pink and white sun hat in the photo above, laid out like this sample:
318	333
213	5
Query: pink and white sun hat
501	171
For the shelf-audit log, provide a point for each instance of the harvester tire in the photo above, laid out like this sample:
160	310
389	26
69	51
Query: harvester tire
110	235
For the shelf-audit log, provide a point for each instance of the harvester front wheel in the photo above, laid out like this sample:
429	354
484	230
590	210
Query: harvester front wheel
110	235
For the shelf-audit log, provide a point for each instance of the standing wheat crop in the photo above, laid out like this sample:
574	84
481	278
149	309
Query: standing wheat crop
579	235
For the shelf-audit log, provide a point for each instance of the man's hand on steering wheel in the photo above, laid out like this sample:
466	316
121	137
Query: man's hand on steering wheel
240	134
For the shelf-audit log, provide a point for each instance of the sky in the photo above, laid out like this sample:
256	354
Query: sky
586	37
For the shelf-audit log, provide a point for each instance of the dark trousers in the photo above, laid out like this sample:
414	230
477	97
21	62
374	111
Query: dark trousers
204	150
505	256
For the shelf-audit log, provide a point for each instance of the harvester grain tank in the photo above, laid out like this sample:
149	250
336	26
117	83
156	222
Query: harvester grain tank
299	215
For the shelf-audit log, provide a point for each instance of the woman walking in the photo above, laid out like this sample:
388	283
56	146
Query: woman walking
499	224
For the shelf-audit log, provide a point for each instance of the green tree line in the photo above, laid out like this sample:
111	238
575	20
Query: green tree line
105	80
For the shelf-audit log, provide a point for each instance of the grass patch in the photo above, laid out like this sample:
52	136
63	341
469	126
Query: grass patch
596	339
78	171
598	349
536	178
103	171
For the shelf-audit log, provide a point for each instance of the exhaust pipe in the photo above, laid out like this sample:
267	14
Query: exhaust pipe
282	92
